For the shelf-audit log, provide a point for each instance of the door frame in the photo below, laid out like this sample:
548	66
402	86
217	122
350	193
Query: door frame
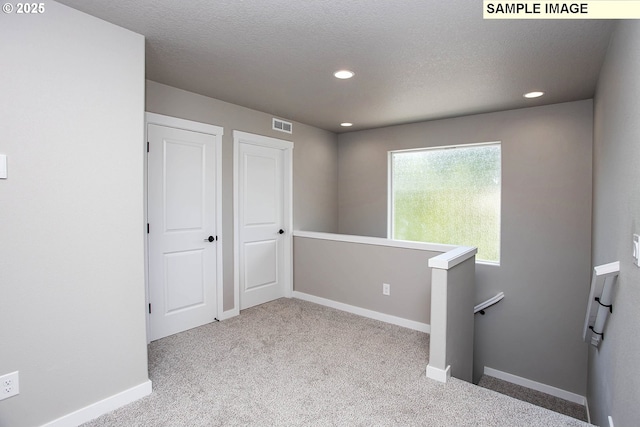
216	132
287	148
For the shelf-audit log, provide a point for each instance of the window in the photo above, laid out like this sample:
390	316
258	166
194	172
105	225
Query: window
447	195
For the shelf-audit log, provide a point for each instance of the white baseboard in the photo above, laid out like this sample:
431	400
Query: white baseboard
439	374
387	318
102	407
534	385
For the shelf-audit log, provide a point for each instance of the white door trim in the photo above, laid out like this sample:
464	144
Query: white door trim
287	147
216	132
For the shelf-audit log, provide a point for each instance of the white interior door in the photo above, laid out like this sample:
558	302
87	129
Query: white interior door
263	219
183	235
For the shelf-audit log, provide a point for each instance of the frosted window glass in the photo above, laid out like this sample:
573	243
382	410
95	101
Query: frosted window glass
449	195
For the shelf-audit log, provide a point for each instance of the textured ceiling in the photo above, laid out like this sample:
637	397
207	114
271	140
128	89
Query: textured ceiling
414	59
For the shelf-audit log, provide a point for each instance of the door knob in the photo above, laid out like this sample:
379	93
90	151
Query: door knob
210	239
281	231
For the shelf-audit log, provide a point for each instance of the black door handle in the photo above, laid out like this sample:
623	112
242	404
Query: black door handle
281	231
210	239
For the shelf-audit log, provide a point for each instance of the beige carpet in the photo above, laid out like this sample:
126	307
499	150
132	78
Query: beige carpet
294	363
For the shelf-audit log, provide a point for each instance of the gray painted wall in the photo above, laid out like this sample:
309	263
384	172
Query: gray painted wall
314	162
535	332
452	319
71	224
353	273
614	372
460	319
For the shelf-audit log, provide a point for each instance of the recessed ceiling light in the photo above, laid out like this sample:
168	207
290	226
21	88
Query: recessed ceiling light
346	124
533	94
344	74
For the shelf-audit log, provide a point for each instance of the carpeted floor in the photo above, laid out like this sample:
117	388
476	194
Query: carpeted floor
536	397
294	363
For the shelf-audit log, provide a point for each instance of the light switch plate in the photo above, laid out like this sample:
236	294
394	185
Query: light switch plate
3	166
636	250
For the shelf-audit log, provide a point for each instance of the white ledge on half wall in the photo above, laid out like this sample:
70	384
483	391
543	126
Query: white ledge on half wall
378	241
452	258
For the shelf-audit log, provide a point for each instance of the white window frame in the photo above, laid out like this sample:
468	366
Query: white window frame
390	200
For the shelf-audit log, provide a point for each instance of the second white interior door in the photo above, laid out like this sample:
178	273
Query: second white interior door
262	224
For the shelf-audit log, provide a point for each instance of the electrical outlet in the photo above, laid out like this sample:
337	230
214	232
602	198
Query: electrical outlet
9	385
386	289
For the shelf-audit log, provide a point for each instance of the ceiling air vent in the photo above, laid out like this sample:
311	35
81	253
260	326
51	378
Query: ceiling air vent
282	126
